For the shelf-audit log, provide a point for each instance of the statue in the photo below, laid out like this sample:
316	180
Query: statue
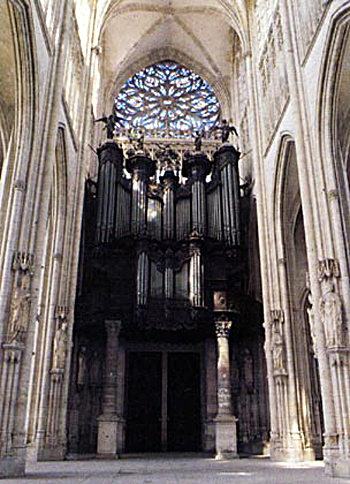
226	130
166	155
20	311
60	347
81	366
311	317
137	138
277	349
331	315
109	124
198	139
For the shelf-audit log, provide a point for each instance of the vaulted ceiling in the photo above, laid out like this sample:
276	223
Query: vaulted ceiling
197	33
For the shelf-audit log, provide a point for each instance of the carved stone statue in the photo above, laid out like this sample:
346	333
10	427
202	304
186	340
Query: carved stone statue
81	366
20	310
311	318
60	347
277	349
331	314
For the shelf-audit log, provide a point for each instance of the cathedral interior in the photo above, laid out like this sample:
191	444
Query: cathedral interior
174	230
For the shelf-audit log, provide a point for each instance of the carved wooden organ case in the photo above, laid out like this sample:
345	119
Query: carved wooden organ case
158	241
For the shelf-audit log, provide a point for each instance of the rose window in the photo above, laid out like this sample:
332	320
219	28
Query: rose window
167	96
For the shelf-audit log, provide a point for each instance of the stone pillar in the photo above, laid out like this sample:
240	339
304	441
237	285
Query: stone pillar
108	421
12	440
225	421
53	444
331	309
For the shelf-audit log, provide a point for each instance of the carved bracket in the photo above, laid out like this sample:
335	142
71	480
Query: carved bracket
328	268
23	261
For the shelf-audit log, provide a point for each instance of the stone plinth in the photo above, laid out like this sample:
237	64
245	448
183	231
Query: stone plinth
13	466
107	443
226	437
337	468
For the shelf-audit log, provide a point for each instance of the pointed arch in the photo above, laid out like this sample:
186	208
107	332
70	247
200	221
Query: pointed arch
127	70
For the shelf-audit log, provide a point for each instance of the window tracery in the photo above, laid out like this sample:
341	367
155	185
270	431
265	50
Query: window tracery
167	96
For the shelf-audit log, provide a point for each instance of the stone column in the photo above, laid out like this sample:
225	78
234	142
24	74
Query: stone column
225	421
108	421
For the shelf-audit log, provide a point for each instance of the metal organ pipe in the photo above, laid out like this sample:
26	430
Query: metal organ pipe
198	207
142	279
227	159
110	160
196	277
122	223
170	183
196	167
142	168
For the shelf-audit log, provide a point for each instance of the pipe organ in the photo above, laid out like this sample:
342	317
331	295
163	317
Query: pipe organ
163	260
170	226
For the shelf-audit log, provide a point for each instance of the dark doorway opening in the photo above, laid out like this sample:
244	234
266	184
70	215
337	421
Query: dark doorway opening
163	402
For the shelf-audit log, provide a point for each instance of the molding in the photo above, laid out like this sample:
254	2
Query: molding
69	122
44	29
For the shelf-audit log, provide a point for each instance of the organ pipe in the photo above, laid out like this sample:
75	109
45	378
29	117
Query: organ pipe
142	279
110	167
227	159
170	182
141	168
196	277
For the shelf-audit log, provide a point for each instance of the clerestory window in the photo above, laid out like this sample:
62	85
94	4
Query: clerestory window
167	96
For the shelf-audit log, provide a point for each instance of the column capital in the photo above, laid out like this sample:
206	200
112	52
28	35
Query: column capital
223	328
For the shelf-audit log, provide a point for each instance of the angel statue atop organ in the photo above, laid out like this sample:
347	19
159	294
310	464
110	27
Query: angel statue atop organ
198	137
226	130
110	123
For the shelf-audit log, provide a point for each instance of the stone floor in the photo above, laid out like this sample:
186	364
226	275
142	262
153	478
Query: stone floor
175	470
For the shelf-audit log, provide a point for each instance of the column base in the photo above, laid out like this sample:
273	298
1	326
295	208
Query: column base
225	437
13	466
107	439
209	436
338	468
290	450
51	451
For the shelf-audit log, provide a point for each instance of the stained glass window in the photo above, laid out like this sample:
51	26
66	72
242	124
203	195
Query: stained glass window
167	96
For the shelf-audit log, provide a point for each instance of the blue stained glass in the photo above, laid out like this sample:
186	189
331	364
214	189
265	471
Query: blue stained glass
167	95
